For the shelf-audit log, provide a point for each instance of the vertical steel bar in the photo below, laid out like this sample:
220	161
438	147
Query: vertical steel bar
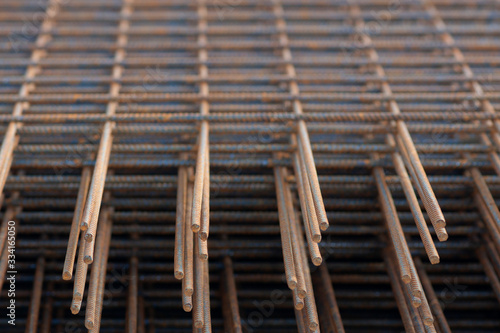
306	200
198	295
434	302
203	141
102	243
36	297
179	223
429	199
80	278
231	293
132	296
93	203
188	284
393	225
47	311
297	259
304	144
69	260
205	205
490	272
207	320
331	306
309	301
398	293
286	244
426	237
101	280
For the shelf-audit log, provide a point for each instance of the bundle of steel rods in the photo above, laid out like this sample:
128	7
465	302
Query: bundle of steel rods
250	166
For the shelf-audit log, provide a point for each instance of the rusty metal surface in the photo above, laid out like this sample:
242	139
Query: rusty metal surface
250	166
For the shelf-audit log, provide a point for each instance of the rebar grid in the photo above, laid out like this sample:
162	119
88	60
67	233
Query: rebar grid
147	142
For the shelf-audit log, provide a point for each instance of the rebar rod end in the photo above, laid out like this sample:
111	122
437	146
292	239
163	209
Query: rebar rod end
75	307
316	238
442	235
324	225
77	297
434	259
428	321
313	325
89	324
179	275
88	259
187	307
416	301
66	275
89	237
317	261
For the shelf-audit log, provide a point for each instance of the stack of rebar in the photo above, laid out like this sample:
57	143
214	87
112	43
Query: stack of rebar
343	157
